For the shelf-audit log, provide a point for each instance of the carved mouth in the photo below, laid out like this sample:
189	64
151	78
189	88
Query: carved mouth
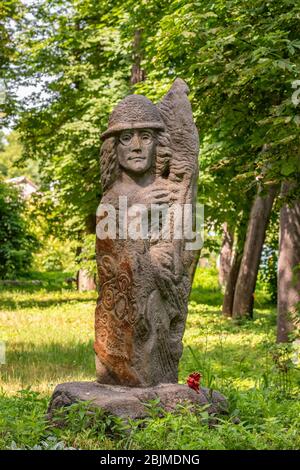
137	159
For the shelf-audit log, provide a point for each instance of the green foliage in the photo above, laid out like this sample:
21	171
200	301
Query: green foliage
22	418
55	255
17	243
10	154
50	443
265	425
77	49
87	258
268	271
239	58
259	429
94	422
47	282
10	14
269	258
9	9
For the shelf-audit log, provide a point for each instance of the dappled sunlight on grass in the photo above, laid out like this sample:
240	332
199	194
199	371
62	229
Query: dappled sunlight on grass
49	334
224	350
42	299
49	338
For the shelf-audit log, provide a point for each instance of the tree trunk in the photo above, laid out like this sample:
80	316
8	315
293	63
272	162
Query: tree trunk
231	282
235	265
256	231
225	255
137	73
85	281
288	268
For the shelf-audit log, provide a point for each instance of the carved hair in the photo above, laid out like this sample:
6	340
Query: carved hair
110	169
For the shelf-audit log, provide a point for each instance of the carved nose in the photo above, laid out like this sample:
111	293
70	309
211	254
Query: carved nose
136	143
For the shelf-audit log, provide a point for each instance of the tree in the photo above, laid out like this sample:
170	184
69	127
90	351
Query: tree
256	231
269	259
240	236
289	266
10	14
82	59
73	54
225	254
241	61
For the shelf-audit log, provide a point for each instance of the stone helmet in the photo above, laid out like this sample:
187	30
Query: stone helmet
134	112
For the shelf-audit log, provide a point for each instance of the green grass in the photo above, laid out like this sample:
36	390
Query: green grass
48	331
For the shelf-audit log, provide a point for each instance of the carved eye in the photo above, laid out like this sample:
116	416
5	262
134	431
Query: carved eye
126	137
146	137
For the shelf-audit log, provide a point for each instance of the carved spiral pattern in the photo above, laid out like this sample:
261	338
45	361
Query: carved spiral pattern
116	298
123	282
108	297
107	267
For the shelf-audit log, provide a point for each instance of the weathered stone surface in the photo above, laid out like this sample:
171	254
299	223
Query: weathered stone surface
149	156
128	402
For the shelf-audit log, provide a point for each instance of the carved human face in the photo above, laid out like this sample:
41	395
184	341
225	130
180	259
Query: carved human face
136	150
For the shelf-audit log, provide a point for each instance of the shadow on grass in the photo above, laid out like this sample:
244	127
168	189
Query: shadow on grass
214	296
228	359
33	282
206	296
10	304
53	362
242	366
262	319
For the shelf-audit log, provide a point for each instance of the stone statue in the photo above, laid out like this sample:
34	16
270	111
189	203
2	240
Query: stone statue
149	167
149	158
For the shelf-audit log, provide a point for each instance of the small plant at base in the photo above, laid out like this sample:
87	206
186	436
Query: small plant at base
153	408
84	416
51	443
282	355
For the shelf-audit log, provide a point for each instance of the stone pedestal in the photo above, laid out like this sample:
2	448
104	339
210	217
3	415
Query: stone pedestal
129	402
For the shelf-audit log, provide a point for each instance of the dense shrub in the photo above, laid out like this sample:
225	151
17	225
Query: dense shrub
17	243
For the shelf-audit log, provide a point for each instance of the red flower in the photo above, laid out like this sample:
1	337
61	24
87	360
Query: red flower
193	381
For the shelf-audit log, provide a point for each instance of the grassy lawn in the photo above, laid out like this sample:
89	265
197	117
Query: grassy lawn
48	331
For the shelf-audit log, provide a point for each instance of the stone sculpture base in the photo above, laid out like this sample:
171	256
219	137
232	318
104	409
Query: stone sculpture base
128	402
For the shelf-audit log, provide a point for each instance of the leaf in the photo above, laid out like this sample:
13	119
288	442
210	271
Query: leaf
287	168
